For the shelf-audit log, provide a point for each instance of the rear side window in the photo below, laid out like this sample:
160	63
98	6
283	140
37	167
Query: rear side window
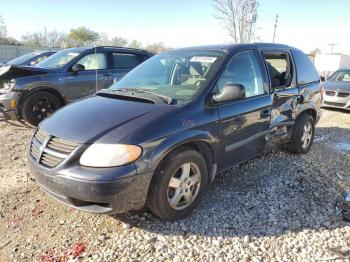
280	69
306	71
125	61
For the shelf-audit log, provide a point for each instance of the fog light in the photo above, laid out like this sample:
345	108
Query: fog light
13	103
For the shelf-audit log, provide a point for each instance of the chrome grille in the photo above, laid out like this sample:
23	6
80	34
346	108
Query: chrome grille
343	94
61	145
50	151
330	93
334	104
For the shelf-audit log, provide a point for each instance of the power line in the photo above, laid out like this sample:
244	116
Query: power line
275	28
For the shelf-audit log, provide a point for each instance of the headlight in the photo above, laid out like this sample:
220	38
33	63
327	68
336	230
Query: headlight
109	155
9	85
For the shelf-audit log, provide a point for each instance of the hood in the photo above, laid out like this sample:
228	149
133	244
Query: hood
337	86
90	119
8	72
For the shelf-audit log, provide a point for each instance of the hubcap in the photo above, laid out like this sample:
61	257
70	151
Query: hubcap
184	186
42	108
307	135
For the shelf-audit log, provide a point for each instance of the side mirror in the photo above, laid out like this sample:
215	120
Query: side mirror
323	78
77	68
230	92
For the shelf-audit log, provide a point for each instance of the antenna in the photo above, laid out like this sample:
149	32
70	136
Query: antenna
275	26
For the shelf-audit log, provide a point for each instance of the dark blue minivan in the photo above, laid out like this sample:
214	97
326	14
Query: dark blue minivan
158	136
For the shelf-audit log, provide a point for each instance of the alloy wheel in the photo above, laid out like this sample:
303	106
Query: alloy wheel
307	135
42	108
184	186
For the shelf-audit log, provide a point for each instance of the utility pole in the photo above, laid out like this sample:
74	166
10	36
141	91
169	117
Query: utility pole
332	46
275	26
45	36
253	6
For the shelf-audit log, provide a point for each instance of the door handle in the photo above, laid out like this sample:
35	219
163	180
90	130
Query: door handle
107	75
265	113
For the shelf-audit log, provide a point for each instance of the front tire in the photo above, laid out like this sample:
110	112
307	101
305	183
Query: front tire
303	133
38	106
179	185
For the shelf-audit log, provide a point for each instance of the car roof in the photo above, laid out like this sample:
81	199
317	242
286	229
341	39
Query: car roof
232	47
113	48
39	52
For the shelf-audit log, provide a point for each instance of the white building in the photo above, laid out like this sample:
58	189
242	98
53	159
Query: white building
326	64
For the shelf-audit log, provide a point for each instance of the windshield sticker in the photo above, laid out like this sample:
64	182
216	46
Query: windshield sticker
203	59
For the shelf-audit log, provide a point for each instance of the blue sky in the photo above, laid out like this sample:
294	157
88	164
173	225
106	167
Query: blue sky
306	24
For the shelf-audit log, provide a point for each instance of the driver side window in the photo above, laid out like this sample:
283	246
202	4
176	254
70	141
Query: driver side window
94	61
243	69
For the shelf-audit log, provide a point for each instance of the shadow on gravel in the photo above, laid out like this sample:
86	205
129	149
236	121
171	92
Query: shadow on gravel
268	196
336	110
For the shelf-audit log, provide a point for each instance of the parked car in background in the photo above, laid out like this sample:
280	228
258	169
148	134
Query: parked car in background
336	90
30	59
162	133
33	93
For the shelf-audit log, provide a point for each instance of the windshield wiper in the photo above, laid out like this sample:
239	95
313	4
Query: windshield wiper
168	99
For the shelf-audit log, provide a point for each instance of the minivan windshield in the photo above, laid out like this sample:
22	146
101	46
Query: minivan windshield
341	75
59	59
178	75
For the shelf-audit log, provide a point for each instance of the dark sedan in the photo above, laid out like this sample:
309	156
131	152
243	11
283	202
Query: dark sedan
336	90
30	59
32	93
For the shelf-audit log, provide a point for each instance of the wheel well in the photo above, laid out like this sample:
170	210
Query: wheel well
199	146
311	112
40	89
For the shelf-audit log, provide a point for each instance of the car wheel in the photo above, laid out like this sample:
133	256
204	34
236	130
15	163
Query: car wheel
302	135
178	186
38	106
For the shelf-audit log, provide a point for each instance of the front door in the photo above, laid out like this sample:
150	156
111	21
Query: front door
86	82
244	123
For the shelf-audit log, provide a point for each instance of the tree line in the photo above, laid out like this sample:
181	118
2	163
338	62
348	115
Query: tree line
237	17
81	36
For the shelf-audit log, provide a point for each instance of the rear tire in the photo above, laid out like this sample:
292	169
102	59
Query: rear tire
38	106
302	135
179	185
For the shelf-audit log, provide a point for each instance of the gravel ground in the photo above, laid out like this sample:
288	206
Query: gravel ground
279	207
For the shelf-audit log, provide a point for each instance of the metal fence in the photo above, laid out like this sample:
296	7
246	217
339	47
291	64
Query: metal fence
8	52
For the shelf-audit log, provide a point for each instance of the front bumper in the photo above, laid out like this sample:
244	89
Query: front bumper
6	109
336	102
128	191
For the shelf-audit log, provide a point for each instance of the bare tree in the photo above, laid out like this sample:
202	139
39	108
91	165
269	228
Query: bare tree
135	44
3	28
156	48
35	39
55	39
237	17
119	41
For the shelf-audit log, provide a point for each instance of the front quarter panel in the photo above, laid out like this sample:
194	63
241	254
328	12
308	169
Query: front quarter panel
188	125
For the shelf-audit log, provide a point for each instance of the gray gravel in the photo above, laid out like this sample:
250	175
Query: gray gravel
278	207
